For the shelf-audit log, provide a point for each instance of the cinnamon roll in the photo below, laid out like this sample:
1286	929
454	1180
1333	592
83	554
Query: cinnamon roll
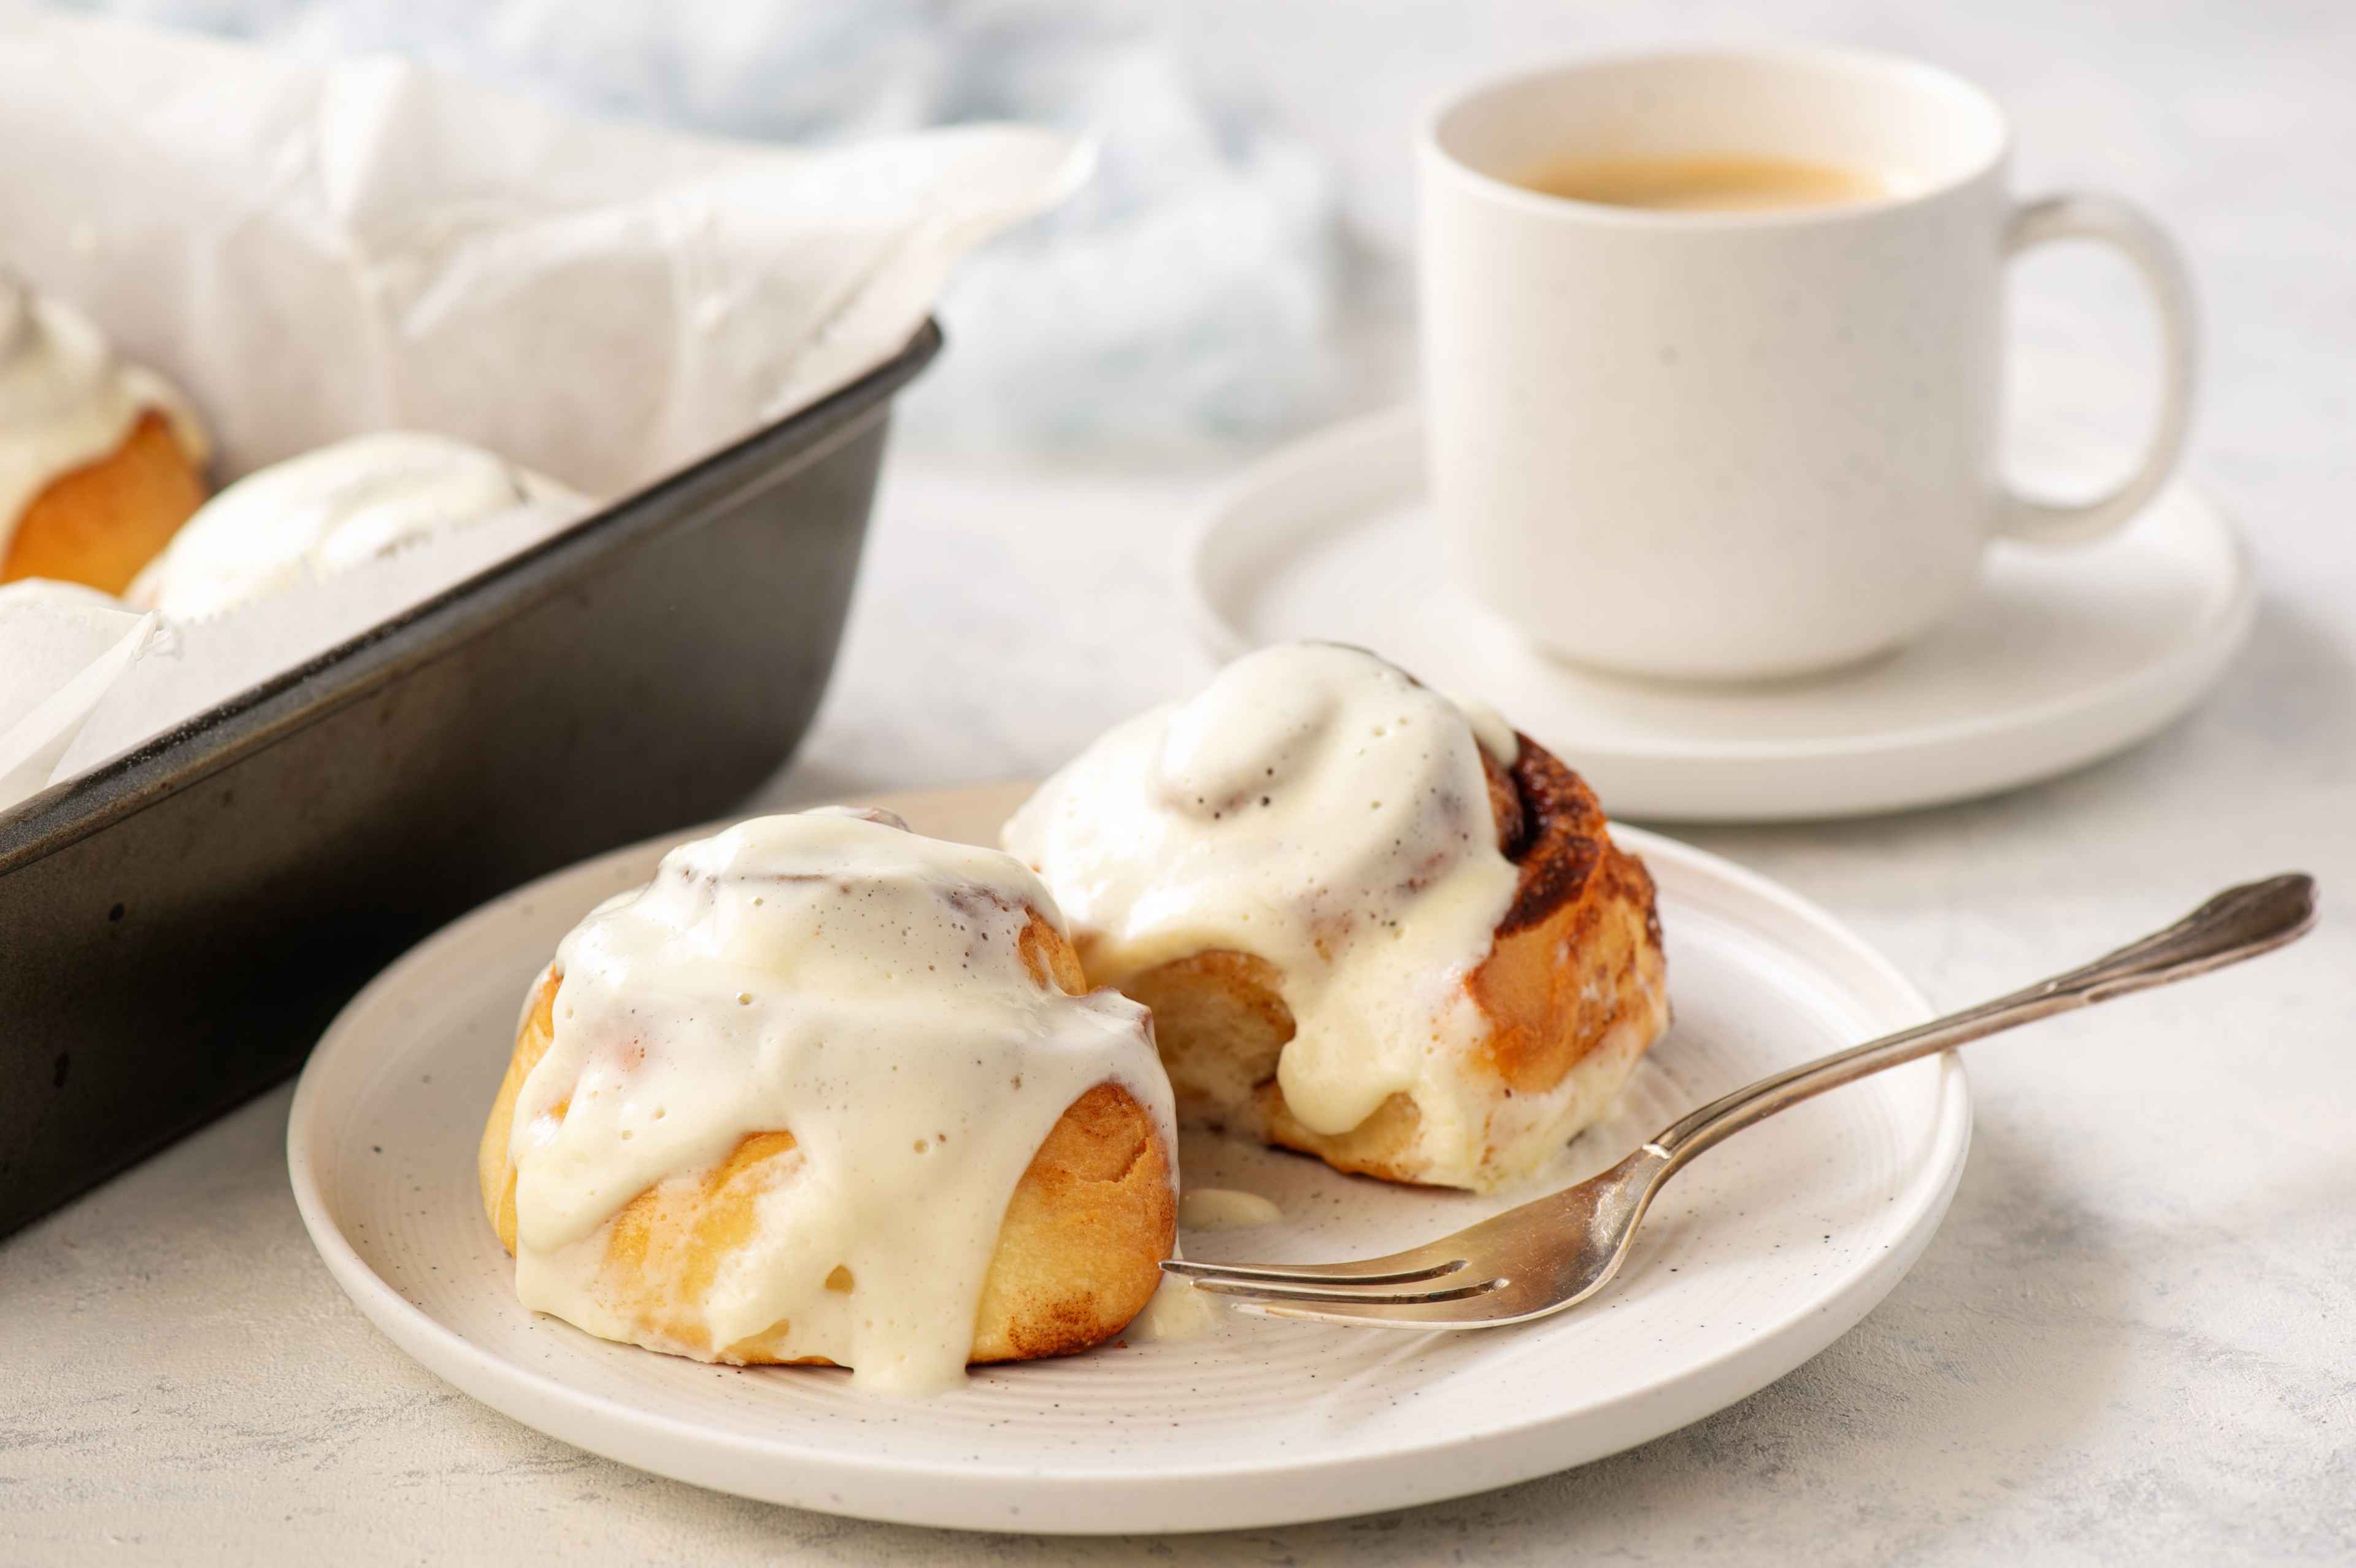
825	1091
1372	924
101	461
333	509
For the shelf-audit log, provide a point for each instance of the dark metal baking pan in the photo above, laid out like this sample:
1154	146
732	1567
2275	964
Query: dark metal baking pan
178	926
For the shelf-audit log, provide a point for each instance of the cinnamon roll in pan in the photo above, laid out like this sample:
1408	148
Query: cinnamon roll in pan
332	508
101	461
826	1091
1372	924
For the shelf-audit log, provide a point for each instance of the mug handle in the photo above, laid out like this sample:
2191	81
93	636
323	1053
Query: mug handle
2078	215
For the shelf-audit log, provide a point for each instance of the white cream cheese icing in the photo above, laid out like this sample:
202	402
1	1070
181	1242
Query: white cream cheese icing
329	510
1225	1209
834	976
67	400
1315	807
1494	735
1178	1310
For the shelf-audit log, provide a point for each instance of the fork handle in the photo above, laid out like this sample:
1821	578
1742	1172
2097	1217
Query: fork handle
2240	923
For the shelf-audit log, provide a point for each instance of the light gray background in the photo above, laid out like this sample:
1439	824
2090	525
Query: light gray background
2133	1339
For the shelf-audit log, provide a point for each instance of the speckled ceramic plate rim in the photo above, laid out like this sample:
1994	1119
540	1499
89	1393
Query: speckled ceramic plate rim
1074	1499
2159	691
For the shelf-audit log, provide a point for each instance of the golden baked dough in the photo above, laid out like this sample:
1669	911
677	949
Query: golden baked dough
101	523
1573	983
1079	1250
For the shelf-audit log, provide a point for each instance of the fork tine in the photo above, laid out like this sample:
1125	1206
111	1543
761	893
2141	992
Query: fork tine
1474	1310
1366	1271
1368	1296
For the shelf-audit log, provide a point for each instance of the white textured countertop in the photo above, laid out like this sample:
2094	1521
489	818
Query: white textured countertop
2133	1339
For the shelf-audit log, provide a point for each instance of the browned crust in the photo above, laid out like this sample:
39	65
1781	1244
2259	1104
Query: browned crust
101	523
1079	1250
1562	839
1576	956
1581	942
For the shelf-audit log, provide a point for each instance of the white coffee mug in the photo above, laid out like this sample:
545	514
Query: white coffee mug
1739	445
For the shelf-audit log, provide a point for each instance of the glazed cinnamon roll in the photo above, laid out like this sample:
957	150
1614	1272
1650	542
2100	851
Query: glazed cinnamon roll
827	1092
101	461
1372	924
332	508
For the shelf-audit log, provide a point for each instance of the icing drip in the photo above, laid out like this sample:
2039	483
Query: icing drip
1225	1209
835	977
1178	1311
1316	807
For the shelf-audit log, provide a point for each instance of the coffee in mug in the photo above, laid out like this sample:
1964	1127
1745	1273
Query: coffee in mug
1706	182
1712	354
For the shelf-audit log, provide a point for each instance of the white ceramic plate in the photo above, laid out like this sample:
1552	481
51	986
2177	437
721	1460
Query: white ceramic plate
1759	1256
2063	657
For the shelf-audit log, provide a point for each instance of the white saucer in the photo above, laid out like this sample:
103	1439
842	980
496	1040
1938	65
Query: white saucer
2064	657
1764	1252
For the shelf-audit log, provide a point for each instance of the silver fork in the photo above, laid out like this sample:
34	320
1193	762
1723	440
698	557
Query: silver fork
1560	1250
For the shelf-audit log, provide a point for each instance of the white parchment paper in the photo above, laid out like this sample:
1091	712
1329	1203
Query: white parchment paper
314	251
61	649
